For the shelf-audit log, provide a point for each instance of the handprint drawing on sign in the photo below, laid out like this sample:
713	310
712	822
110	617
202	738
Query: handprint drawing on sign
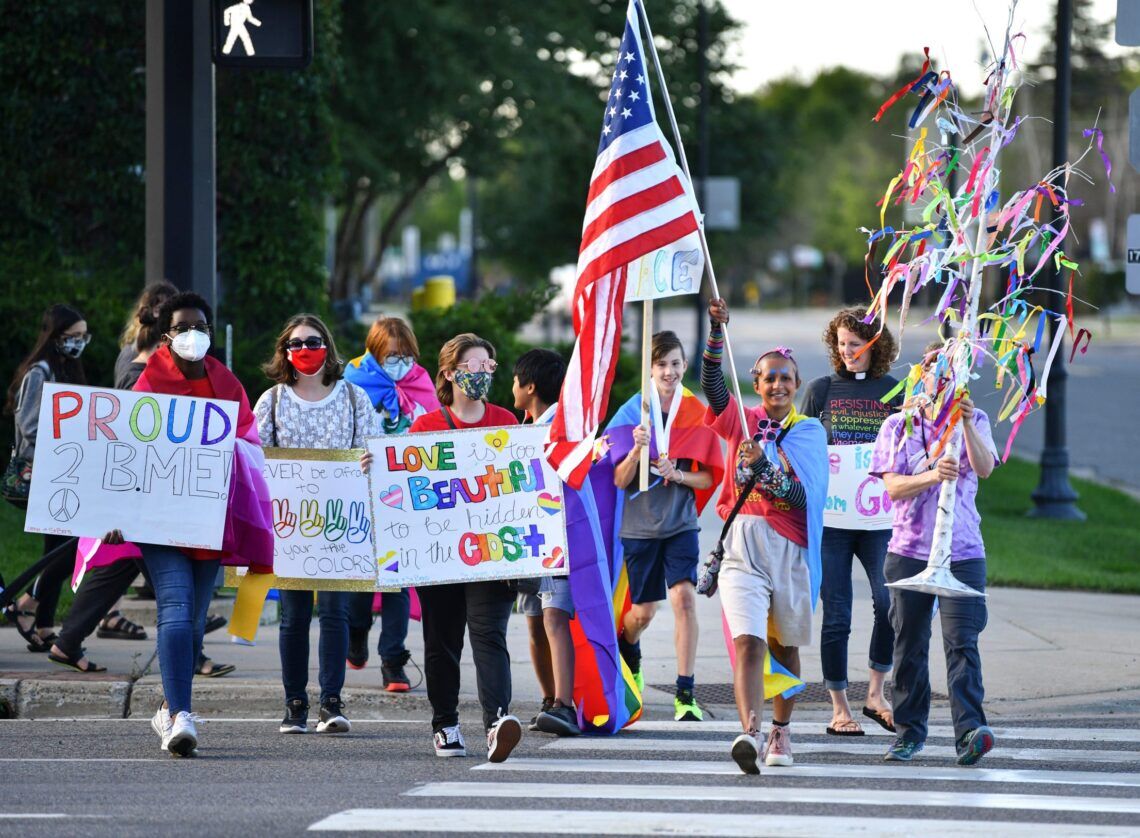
284	521
358	523
336	524
312	521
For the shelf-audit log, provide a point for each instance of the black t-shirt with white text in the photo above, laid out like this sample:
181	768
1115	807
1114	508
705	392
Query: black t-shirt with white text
850	406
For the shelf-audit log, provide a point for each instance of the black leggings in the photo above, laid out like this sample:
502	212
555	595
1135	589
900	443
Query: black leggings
46	589
98	592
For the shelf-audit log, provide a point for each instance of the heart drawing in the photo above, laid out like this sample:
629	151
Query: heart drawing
498	440
393	565
550	504
393	496
555	560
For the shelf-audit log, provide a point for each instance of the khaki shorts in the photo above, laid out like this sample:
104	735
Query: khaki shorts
765	587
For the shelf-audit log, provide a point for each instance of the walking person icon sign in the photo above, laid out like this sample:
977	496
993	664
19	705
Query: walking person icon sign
250	34
235	17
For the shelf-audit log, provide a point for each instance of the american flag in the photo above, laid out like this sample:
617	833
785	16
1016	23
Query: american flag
639	203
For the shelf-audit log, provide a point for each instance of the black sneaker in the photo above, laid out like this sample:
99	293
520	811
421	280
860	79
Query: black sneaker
296	717
392	671
504	734
559	720
449	742
357	656
547	703
332	716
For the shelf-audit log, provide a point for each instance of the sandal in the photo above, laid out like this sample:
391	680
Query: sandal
850	727
214	622
212	669
64	659
885	721
36	642
115	626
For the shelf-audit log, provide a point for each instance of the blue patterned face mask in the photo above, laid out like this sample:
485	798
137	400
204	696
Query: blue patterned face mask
473	384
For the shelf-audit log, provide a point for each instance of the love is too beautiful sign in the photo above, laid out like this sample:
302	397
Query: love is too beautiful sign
466	506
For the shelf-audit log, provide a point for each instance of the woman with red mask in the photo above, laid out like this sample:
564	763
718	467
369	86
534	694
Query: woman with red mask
312	406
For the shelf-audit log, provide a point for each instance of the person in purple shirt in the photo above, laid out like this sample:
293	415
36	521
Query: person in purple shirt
913	479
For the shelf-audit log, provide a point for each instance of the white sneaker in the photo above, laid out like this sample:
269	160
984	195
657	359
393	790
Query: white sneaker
183	735
746	753
504	734
161	723
449	742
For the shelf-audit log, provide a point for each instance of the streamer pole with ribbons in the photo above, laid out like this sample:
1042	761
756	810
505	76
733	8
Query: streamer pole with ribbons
937	578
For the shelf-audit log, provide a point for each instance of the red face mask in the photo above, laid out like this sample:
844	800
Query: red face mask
307	361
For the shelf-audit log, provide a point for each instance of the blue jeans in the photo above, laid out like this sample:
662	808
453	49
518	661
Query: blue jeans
395	608
963	619
293	641
838	547
183	588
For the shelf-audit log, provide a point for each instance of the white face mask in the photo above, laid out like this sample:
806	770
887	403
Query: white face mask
398	369
192	345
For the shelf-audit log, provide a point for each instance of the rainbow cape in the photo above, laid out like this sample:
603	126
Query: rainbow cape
778	681
397	398
689	439
247	540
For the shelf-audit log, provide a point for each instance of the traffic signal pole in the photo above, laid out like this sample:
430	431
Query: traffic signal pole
180	193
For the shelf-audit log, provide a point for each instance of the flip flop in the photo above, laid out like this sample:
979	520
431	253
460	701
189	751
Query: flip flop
880	718
73	663
214	622
847	728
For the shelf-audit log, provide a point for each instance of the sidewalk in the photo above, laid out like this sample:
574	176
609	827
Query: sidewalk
1044	653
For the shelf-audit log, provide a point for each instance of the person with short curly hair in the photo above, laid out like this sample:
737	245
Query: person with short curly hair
849	404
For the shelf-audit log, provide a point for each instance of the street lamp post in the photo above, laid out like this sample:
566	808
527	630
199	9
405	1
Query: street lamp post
1054	497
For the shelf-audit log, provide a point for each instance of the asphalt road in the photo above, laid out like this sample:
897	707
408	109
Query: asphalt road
95	778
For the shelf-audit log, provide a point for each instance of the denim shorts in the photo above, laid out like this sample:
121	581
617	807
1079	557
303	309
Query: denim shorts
555	593
656	564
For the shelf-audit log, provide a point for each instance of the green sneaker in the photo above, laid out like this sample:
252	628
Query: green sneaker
639	679
686	709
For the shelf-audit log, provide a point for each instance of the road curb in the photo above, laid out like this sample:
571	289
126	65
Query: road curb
39	697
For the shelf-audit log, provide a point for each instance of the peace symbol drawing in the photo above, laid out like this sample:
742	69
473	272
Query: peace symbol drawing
63	505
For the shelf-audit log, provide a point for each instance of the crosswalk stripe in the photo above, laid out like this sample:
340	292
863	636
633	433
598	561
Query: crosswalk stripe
562	822
877	772
835	746
1042	734
781	794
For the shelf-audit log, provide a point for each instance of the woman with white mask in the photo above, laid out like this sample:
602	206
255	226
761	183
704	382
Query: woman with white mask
183	577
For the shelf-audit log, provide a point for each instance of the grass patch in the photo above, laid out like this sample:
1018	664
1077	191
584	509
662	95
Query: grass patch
1100	554
19	550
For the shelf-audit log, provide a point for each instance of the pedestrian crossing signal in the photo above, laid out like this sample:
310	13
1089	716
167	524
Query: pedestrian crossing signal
262	33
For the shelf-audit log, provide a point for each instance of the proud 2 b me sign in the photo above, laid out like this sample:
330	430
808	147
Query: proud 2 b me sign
466	506
155	466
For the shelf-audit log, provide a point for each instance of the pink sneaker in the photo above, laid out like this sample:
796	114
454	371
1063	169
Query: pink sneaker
778	751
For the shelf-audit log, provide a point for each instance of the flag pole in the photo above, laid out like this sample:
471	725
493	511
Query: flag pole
700	216
646	383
